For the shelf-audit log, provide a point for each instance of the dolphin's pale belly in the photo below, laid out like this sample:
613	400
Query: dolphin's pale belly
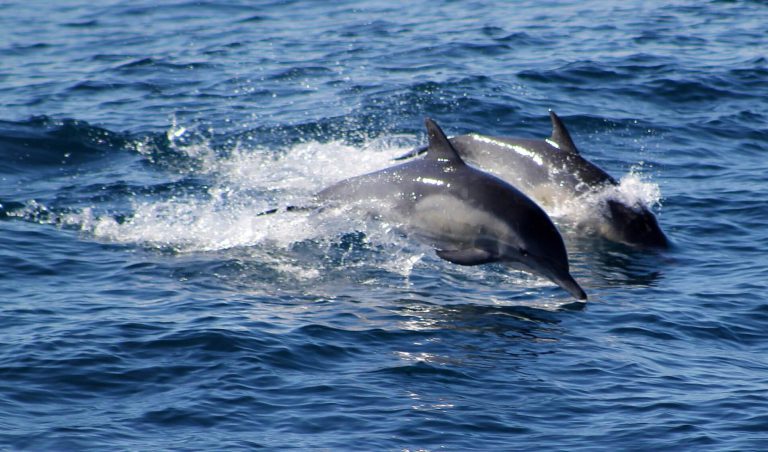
449	222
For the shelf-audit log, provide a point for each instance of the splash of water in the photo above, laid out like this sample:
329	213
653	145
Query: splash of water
243	184
634	189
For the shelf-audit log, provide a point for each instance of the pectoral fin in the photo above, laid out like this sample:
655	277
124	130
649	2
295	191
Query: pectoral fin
469	256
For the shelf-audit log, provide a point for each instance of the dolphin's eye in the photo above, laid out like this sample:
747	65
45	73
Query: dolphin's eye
523	252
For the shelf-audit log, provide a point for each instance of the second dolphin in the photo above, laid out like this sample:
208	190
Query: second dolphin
553	170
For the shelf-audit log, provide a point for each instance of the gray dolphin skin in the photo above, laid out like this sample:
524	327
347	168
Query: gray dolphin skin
553	168
469	216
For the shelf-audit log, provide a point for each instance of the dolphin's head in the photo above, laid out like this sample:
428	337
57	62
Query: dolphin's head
633	225
544	253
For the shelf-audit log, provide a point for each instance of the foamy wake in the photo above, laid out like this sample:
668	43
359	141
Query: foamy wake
244	183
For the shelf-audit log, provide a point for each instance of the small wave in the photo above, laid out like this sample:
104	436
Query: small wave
692	90
155	64
574	73
45	141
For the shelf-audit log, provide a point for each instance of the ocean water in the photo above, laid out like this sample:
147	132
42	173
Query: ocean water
146	305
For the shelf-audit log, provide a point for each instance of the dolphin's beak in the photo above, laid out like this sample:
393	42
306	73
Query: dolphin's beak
571	286
561	278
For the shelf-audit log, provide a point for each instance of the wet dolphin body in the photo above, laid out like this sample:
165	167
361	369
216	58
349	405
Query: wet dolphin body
553	168
470	216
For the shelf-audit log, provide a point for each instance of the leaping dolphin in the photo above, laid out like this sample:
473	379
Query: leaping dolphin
554	168
470	216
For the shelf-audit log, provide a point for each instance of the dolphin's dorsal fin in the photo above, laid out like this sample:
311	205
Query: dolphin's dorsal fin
439	146
560	136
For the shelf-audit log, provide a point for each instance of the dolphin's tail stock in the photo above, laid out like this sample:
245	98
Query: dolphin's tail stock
285	209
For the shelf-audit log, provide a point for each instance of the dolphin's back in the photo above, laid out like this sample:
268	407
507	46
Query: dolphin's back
402	186
529	164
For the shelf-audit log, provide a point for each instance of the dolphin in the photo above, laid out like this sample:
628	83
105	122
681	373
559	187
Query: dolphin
552	170
469	216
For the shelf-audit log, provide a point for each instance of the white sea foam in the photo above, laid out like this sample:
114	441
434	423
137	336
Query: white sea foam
243	184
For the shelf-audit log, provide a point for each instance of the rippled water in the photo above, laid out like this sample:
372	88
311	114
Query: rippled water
147	306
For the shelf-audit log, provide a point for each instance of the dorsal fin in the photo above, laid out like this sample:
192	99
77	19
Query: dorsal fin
560	135
439	146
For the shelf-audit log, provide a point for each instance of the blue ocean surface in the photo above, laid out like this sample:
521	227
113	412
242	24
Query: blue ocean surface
147	306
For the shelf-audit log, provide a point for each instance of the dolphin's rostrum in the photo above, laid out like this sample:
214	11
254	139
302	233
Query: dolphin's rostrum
469	216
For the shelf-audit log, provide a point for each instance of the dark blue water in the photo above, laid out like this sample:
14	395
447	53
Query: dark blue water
146	306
